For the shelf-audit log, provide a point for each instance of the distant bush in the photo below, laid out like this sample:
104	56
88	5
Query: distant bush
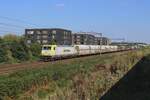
3	54
14	49
35	49
18	51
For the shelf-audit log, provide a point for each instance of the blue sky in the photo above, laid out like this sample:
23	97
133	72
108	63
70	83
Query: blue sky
129	19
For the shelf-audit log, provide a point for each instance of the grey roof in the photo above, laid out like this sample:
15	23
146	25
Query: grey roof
48	29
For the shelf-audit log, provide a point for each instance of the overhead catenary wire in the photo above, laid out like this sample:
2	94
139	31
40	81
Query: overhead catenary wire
11	25
7	31
5	28
10	28
18	20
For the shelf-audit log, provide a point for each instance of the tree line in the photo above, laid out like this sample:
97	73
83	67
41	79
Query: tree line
14	49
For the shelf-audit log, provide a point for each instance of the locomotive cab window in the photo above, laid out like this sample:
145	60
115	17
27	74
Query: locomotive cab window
49	48
46	48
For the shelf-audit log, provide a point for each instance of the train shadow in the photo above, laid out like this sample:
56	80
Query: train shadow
135	85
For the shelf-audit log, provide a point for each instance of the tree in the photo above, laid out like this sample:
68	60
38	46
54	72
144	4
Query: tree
11	38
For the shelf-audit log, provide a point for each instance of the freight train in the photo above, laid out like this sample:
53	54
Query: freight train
51	52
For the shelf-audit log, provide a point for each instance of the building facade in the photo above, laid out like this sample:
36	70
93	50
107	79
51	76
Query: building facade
83	39
102	40
49	36
89	39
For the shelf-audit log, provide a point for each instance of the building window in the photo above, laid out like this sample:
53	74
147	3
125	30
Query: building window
53	36
65	43
45	32
78	39
38	37
45	41
65	37
28	41
64	33
54	32
38	32
78	36
45	36
39	41
30	32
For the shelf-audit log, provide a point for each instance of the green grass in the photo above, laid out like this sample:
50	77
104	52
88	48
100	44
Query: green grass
60	74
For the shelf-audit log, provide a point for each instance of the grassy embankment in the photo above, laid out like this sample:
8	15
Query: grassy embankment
76	79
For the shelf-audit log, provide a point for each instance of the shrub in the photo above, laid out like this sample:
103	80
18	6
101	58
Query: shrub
11	38
3	54
35	49
14	49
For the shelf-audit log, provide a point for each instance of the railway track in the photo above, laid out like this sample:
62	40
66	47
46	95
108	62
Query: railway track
11	68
